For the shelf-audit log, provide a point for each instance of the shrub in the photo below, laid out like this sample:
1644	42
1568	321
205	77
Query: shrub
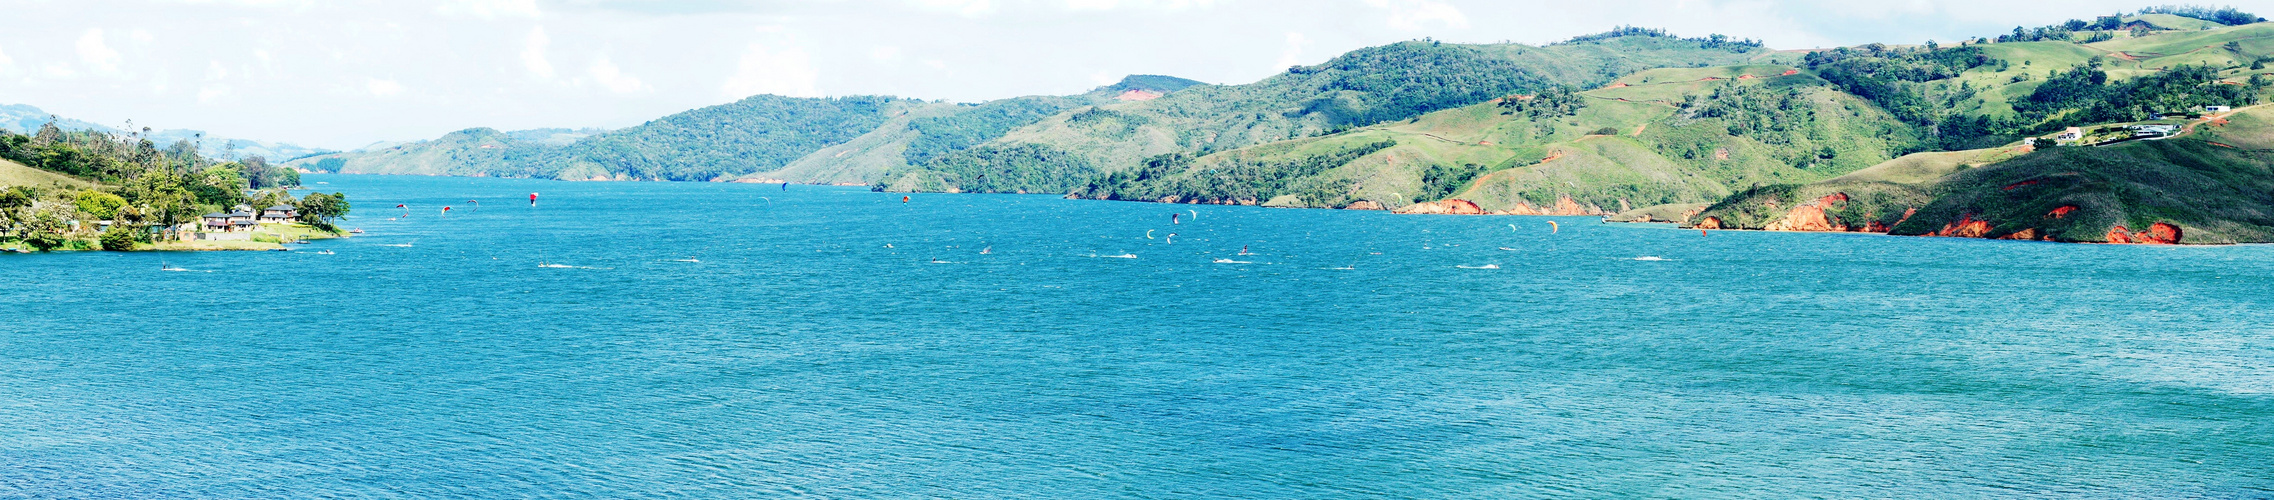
120	239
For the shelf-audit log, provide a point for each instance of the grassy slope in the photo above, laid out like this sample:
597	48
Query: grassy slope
1644	164
859	160
472	152
2217	185
1218	118
16	174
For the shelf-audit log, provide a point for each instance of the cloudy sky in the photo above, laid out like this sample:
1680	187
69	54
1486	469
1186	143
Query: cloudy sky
345	73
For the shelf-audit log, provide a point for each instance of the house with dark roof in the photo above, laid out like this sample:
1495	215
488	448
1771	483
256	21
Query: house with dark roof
229	222
279	214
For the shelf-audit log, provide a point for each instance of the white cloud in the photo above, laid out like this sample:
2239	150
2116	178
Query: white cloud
7	64
606	72
787	72
1415	15
488	9
383	88
1169	5
533	54
98	55
1293	56
885	53
966	8
215	71
209	93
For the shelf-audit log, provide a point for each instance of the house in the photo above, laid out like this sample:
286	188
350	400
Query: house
279	214
215	222
2153	131
2073	134
2218	109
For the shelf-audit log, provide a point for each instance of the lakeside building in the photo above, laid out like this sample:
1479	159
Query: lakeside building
2153	131
229	222
279	214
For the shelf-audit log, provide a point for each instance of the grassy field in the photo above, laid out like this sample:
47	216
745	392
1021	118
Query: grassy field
15	174
2216	186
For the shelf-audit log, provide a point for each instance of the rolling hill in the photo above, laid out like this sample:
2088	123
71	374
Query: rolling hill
1714	132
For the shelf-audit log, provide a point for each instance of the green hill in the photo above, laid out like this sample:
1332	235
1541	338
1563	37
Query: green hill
761	133
1364	87
16	174
2213	186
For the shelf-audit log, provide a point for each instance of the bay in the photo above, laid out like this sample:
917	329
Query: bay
739	340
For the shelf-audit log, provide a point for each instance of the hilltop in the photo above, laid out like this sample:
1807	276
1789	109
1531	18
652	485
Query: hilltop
1638	122
25	119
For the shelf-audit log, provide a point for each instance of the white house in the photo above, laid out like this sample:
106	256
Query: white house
2073	134
279	214
2218	109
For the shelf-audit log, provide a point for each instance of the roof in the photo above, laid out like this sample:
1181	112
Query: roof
240	214
282	207
216	216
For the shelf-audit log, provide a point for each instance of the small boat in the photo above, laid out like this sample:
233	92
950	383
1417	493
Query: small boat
302	242
556	266
1122	256
987	251
690	260
355	231
1647	258
324	252
1486	266
1244	250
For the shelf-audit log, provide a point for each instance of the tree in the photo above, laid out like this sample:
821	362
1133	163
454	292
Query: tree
318	209
121	238
99	204
44	229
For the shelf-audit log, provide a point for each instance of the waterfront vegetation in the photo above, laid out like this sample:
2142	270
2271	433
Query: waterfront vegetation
92	190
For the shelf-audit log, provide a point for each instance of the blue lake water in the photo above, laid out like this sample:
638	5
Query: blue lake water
817	350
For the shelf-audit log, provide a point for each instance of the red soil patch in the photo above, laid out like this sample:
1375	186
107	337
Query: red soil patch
1461	207
2018	185
2161	233
1966	227
2024	235
2061	212
1790	72
1138	95
1619	85
1744	77
2223	145
1710	223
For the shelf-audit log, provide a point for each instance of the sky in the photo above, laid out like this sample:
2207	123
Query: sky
343	74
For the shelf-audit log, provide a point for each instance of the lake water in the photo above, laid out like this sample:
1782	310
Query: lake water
817	350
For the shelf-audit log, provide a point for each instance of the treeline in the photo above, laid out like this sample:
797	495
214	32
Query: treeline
1238	180
756	134
1713	41
2223	15
1408	79
2084	95
942	135
1016	168
141	189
